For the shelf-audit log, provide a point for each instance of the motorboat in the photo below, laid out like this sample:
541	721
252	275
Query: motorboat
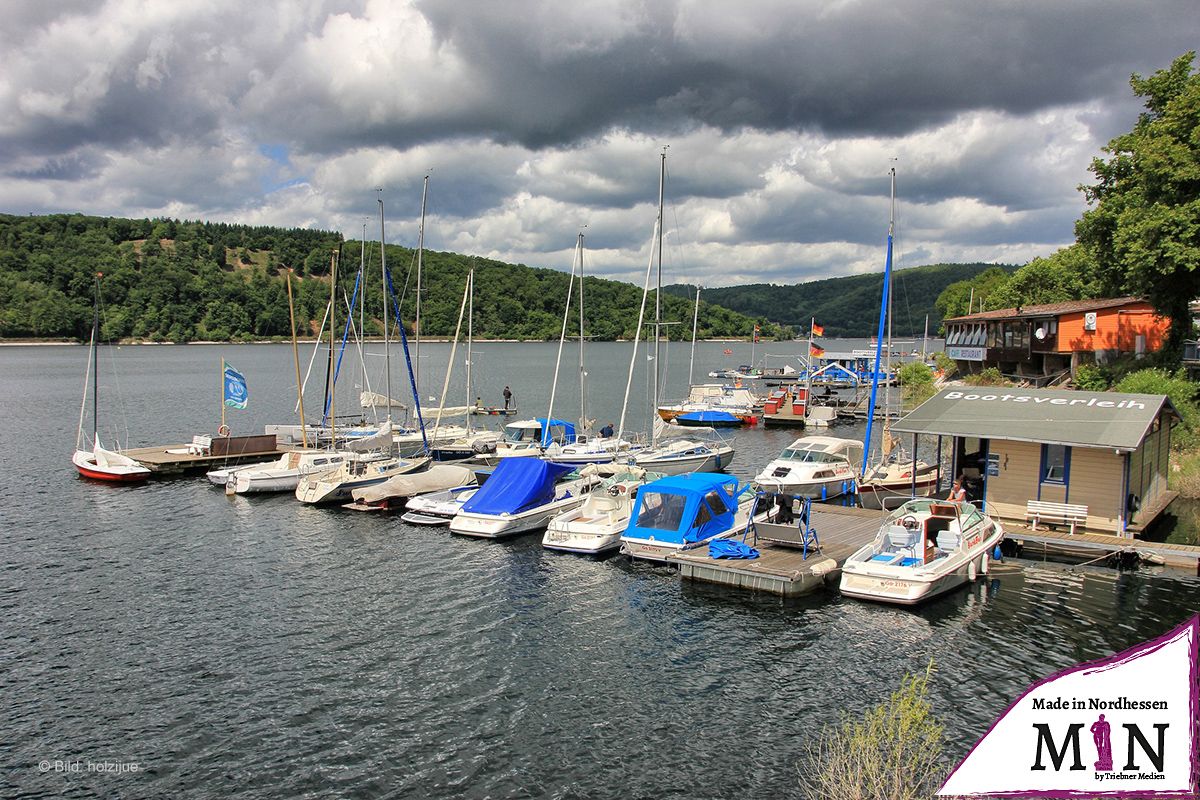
711	419
336	485
522	495
685	455
924	549
735	400
393	493
530	437
471	445
596	526
821	467
281	475
592	450
437	508
680	512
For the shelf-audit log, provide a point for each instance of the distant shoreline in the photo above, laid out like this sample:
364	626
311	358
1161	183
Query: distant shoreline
373	340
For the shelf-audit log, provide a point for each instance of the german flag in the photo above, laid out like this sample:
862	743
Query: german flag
816	352
756	330
818	330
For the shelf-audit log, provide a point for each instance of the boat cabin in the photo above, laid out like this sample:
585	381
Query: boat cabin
539	430
1098	457
683	509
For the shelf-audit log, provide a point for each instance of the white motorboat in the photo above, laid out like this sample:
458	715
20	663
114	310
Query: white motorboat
521	495
529	437
681	512
925	548
337	484
816	466
283	474
592	450
685	455
890	483
437	508
596	526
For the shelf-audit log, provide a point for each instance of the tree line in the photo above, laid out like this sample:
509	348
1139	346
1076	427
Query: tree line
178	281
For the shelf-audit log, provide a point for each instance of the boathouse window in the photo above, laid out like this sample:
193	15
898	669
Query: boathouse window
1056	463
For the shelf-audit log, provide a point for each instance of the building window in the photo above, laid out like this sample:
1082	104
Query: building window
1056	464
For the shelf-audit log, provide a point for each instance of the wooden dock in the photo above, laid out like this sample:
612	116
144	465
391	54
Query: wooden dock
781	569
177	459
1099	545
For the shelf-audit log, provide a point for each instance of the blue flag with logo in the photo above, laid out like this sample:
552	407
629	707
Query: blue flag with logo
236	393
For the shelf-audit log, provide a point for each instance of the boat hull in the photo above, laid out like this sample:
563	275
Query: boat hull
877	496
863	581
714	461
88	467
499	526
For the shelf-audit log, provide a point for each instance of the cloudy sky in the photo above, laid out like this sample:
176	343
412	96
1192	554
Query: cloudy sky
535	119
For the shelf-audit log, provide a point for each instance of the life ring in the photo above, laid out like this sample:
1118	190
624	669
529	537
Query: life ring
223	430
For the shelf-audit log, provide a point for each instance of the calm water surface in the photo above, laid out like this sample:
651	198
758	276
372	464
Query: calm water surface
263	648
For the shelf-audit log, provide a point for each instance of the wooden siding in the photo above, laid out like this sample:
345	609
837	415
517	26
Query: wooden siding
1095	481
1017	482
1115	328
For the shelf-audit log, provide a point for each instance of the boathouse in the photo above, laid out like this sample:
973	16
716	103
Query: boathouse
1104	451
1046	341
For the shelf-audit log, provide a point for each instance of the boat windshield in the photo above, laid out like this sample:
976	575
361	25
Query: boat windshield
518	435
966	513
806	456
661	512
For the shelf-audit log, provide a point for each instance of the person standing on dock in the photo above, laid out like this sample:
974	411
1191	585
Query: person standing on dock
507	397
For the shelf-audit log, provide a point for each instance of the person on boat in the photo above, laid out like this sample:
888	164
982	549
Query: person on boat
607	431
478	402
958	493
507	397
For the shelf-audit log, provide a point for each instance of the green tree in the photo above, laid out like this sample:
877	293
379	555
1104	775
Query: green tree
1068	274
1143	228
960	297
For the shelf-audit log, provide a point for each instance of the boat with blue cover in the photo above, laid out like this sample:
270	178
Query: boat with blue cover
681	512
521	495
531	437
711	419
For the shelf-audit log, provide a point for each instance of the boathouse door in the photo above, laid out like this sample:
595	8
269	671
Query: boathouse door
971	461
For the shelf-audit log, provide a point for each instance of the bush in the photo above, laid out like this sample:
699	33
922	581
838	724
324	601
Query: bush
916	383
986	377
893	752
1091	378
1179	389
945	363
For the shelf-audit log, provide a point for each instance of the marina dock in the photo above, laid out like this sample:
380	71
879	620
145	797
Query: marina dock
784	570
1099	546
177	459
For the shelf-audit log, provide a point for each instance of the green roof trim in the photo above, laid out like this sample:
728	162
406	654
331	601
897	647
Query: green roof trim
1047	416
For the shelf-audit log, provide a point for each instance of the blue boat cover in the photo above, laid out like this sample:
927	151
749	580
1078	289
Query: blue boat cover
556	430
517	484
683	509
730	548
710	418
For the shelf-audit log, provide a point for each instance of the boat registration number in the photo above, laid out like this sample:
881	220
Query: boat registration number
877	584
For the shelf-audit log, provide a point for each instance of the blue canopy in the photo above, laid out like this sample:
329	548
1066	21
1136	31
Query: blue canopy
517	484
556	430
708	418
683	509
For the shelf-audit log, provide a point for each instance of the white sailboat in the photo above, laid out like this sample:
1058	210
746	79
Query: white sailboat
664	455
99	463
895	475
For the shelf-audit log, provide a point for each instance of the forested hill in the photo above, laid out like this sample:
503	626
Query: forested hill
166	280
846	306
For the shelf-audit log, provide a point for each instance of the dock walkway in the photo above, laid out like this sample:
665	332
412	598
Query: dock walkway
175	459
1043	541
783	570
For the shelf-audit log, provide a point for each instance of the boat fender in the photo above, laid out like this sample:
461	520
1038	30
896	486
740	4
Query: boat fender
983	564
997	554
971	572
823	492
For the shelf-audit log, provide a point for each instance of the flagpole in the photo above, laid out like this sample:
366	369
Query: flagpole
221	396
808	373
296	352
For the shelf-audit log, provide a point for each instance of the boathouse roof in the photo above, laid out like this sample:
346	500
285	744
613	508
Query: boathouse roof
1048	309
1046	416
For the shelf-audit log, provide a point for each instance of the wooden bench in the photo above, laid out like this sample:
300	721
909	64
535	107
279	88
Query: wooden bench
1060	513
200	446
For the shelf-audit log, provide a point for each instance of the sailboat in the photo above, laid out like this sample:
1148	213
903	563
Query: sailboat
894	476
683	454
338	484
99	463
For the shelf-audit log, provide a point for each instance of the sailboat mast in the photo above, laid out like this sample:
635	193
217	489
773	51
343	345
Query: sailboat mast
695	323
582	372
96	360
662	179
562	337
333	264
387	350
887	395
420	261
470	338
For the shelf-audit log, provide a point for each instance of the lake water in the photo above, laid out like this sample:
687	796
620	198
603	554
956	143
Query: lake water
262	648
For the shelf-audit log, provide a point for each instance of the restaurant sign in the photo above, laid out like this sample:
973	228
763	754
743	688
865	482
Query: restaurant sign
966	353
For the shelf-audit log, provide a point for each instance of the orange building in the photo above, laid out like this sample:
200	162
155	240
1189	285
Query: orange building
1044	341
